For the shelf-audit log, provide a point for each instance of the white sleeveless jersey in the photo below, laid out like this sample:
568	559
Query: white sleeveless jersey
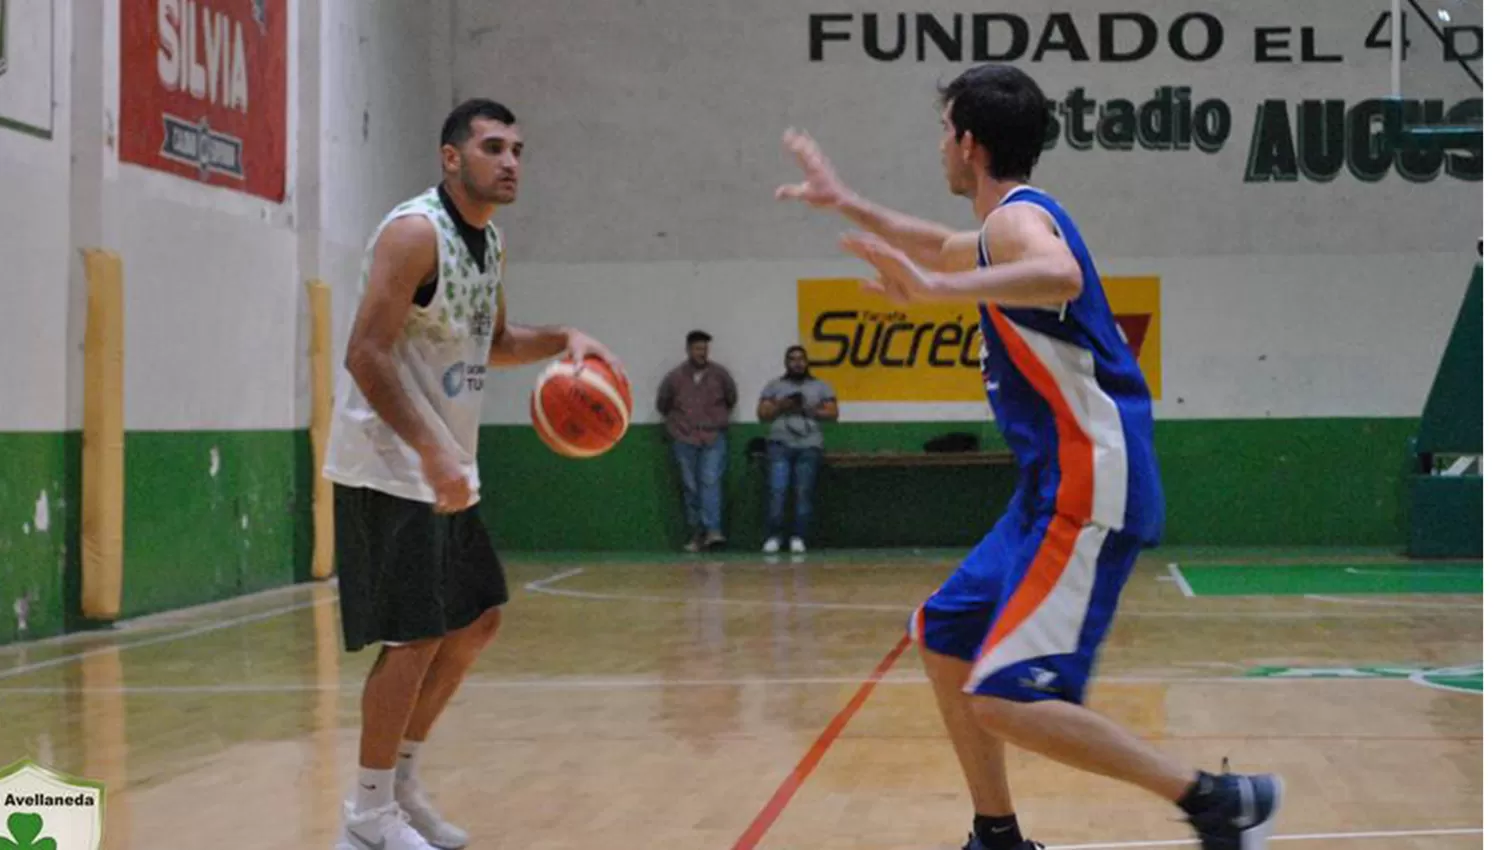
441	358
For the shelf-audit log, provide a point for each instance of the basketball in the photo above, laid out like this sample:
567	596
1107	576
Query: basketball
580	414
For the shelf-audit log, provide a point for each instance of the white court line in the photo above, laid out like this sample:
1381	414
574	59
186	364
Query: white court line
353	688
21	670
1182	582
543	582
153	622
1392	603
544	586
1434	572
12	672
1309	836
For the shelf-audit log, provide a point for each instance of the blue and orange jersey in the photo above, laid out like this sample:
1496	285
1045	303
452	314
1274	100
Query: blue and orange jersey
1071	400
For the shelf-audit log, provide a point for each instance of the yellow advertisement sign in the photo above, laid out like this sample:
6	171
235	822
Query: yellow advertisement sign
869	349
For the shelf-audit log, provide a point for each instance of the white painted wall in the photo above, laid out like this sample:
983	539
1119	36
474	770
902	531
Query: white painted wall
653	151
645	207
215	307
34	224
386	90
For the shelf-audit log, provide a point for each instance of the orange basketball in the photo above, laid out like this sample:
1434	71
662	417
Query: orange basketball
584	414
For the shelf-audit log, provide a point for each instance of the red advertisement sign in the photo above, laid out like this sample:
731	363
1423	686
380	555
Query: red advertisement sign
203	91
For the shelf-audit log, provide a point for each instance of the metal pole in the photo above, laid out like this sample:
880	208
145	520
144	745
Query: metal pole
1398	40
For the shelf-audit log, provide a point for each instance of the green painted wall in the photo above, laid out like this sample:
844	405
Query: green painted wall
38	568
1228	482
190	536
193	537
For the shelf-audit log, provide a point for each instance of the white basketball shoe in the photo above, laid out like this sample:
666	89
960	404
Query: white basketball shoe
426	820
385	828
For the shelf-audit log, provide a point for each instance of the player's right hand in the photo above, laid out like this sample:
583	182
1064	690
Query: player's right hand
446	477
822	188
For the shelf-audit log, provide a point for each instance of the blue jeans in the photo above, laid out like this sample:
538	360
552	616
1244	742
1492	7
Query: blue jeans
785	462
702	469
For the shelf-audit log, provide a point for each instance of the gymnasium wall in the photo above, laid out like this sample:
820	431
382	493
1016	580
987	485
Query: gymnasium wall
217	459
38	486
1305	281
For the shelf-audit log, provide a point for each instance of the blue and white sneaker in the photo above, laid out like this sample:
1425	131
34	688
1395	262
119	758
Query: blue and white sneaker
1245	815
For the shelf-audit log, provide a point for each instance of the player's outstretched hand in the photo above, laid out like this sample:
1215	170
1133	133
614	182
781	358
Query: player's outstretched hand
821	189
897	277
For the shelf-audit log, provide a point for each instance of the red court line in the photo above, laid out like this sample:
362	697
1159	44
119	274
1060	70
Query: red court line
778	802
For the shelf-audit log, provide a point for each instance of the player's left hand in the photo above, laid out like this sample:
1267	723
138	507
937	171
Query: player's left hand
898	277
582	346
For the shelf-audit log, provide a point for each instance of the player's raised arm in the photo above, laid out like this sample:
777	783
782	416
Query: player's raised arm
1032	266
821	188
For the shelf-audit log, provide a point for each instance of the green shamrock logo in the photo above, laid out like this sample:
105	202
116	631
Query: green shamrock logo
24	829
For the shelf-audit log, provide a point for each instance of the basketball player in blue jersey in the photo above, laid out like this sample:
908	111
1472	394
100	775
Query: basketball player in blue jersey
1009	640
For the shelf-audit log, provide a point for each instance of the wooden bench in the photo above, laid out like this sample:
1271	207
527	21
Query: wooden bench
865	460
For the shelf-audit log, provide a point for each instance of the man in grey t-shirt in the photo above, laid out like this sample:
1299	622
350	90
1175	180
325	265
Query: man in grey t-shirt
796	404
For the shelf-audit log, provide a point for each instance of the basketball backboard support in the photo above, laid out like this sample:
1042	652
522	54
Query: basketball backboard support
1437	79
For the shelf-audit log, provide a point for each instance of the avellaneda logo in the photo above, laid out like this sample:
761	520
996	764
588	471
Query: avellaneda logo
41	809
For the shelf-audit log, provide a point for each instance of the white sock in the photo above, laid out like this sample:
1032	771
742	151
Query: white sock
376	788
406	760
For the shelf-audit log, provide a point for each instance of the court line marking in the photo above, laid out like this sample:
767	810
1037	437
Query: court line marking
546	588
1430	572
1391	603
779	800
555	577
1308	836
1182	582
353	687
23	669
155	621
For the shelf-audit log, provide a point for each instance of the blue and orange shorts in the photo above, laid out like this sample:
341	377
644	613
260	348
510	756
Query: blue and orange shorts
1030	605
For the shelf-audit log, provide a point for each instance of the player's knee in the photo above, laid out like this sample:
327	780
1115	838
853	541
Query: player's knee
1000	715
486	627
945	671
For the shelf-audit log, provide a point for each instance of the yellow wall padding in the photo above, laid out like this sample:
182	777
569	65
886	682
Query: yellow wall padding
103	437
319	300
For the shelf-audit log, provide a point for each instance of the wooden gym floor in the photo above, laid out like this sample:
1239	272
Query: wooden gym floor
723	704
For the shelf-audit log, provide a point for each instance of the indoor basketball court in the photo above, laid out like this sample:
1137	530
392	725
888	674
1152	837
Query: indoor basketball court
1286	217
749	702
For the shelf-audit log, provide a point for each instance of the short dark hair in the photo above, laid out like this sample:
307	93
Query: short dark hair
698	336
791	348
1006	111
459	125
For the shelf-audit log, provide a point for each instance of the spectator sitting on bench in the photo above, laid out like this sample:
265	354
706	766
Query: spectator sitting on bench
795	404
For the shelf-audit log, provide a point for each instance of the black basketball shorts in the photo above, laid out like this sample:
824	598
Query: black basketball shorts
407	573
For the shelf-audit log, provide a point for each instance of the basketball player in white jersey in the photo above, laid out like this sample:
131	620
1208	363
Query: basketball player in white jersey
417	571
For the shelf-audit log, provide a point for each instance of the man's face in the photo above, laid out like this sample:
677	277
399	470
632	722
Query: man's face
698	353
796	363
488	165
956	157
